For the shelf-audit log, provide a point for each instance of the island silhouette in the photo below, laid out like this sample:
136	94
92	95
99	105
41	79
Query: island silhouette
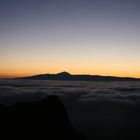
67	76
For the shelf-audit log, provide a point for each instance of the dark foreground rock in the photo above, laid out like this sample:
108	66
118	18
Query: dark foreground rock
46	119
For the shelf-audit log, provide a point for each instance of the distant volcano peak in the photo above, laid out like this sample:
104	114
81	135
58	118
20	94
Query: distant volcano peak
64	73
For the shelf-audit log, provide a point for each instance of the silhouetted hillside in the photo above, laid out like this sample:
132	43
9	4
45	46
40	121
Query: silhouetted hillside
67	76
46	119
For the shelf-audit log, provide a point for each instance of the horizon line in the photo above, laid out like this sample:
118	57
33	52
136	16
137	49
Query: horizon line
29	75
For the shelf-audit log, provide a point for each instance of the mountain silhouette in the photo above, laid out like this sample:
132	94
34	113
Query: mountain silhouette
67	76
64	74
45	119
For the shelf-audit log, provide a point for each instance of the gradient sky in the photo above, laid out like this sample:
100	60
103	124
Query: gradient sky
99	37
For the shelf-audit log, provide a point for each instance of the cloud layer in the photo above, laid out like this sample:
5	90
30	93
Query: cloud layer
29	90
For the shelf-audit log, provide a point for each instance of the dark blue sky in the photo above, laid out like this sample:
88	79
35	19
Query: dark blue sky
80	36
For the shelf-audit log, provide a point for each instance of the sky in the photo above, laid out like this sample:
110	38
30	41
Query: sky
97	37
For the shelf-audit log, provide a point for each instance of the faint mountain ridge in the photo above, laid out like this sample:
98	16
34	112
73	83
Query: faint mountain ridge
67	76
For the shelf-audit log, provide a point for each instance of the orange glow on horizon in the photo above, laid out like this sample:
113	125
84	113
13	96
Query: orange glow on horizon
28	68
31	73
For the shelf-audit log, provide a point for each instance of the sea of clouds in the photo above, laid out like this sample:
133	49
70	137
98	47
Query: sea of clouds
13	91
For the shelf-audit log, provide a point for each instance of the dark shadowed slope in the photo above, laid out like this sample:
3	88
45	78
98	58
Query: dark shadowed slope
67	76
46	119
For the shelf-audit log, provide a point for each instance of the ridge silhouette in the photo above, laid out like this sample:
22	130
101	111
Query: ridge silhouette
67	76
45	119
